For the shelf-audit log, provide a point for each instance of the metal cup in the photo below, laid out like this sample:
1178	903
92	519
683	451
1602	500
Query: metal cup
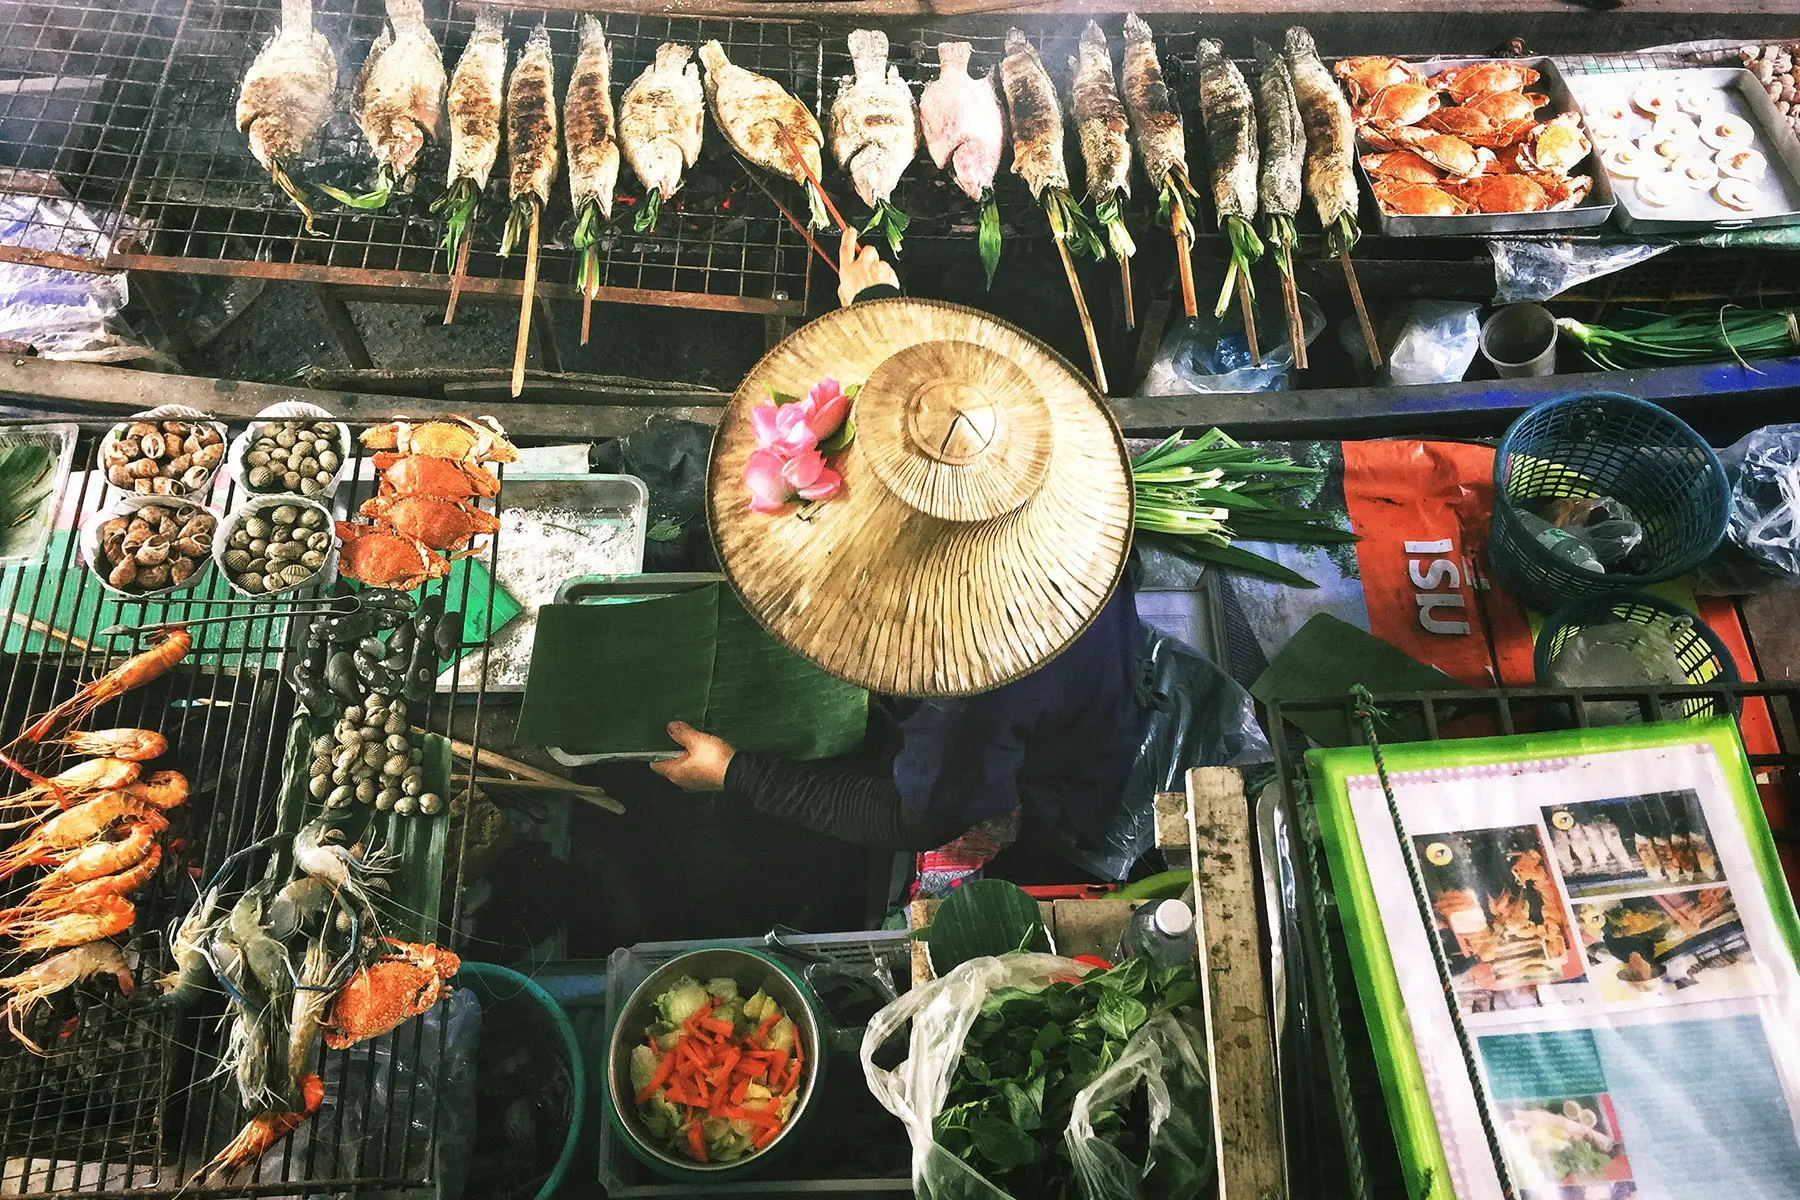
1520	340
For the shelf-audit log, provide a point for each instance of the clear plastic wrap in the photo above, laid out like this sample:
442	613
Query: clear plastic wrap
1536	271
1436	344
63	314
1162	1055
1762	540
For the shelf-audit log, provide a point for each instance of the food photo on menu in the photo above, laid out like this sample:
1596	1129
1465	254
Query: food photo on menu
1687	945
1499	915
1632	843
1567	1148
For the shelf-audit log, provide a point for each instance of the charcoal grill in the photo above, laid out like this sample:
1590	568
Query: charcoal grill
126	1097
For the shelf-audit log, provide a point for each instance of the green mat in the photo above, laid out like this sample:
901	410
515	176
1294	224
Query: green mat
607	679
1327	657
64	595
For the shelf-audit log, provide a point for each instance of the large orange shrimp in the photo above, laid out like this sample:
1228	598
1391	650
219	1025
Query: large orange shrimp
134	672
122	851
138	745
45	902
160	789
53	975
52	843
63	789
99	918
264	1130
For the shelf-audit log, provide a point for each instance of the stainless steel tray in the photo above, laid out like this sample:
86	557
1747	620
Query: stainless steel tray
1778	189
1589	213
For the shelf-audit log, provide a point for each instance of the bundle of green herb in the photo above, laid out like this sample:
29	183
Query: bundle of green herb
1646	339
1031	1051
1193	500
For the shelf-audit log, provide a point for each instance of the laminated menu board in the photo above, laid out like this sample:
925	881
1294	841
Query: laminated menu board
1621	949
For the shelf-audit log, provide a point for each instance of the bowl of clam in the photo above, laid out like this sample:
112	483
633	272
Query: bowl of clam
170	451
293	448
275	545
141	546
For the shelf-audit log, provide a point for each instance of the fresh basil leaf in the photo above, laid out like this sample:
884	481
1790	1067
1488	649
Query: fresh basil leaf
1022	1107
1120	1014
976	1069
1006	1146
1048	1038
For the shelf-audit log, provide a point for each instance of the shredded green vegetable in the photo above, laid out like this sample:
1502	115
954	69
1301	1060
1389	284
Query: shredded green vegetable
1195	499
1697	335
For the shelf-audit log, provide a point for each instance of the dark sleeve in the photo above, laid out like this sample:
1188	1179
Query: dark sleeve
878	291
852	808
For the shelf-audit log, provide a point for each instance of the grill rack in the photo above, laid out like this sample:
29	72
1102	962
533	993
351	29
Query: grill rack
126	1101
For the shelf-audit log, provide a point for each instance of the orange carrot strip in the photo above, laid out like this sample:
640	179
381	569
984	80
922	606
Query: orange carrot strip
696	1142
664	1069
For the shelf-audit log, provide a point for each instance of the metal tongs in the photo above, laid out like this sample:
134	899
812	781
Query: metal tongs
330	606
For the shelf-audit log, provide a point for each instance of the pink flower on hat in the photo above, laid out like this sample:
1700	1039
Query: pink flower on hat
787	464
810	477
769	491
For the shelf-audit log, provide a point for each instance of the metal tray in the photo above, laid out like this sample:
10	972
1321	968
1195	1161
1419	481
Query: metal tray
1591	212
1778	189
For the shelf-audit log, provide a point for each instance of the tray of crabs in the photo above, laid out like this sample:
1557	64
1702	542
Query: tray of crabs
1472	145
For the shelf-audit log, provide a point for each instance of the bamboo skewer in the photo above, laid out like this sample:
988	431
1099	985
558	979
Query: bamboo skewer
587	313
1243	290
1362	312
598	797
456	276
531	274
1125	283
50	631
1081	310
1184	259
796	222
1290	295
800	161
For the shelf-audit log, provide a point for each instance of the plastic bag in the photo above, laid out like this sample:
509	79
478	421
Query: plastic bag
1618	654
1198	716
1179	1163
1598	534
1437	343
63	314
670	456
941	1013
1536	271
1762	538
1211	354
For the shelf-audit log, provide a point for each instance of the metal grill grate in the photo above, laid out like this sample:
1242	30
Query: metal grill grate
129	1096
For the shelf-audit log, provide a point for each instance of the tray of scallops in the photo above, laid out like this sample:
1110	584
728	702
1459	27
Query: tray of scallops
1459	146
1699	148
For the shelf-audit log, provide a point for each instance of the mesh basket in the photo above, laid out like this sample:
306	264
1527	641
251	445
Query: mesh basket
1702	655
1604	444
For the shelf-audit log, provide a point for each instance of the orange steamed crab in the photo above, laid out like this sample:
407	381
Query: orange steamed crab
1501	193
1369	73
1417	199
440	524
385	994
1444	151
1398	104
1556	146
1478	79
456	438
422	475
1403	165
382	558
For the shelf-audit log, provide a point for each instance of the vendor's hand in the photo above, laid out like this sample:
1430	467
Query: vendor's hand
859	269
700	767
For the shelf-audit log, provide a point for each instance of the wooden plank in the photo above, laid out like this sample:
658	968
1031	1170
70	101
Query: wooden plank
1244	1086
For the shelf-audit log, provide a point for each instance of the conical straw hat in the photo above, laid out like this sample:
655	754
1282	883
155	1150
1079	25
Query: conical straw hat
985	516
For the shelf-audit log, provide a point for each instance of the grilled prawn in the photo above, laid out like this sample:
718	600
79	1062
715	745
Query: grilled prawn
660	122
59	973
399	99
286	97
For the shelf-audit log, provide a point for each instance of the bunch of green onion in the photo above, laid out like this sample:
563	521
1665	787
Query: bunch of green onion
1698	335
1194	500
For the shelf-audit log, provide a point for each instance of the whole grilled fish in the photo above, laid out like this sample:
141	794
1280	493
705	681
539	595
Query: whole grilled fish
588	128
874	130
754	112
476	97
531	121
1037	123
1229	116
661	118
1155	116
1099	117
962	121
400	93
1330	136
286	94
1283	136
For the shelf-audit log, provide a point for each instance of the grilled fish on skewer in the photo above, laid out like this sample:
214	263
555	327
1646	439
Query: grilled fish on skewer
1330	137
660	122
1037	138
754	113
963	126
1229	115
593	145
1279	188
476	98
399	99
1162	146
286	97
531	151
875	131
1101	125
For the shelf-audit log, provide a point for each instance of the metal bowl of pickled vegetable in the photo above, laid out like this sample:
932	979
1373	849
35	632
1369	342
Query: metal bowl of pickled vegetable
735	1132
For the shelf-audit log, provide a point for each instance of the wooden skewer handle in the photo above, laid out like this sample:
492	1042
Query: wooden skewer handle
1081	311
526	297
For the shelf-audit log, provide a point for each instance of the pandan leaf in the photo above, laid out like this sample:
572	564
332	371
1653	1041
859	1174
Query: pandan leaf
278	172
458	206
645	218
518	224
377	197
984	917
988	235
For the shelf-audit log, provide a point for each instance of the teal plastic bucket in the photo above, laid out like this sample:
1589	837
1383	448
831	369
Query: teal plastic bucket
491	982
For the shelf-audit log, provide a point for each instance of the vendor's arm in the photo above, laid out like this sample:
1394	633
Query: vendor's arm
852	808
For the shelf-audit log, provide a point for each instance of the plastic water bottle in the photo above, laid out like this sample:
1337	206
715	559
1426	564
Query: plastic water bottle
1164	932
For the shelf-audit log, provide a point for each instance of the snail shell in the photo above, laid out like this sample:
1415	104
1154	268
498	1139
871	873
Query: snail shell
151	578
209	456
154	445
119	475
181	569
195	478
153	552
116	454
165	487
195	544
140	429
123	573
143	468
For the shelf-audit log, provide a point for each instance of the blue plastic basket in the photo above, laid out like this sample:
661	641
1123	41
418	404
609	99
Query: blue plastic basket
1701	653
1604	444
